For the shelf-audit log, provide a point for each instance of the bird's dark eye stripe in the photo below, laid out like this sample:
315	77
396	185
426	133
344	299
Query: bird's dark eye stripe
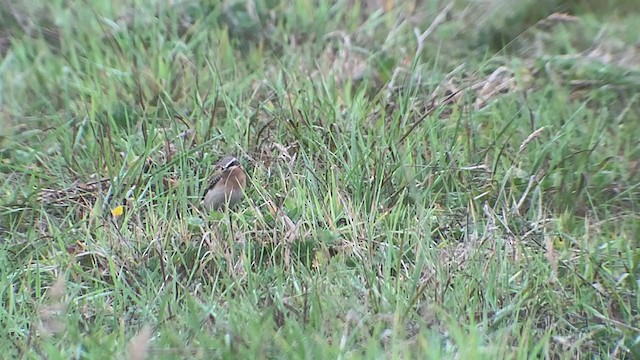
232	163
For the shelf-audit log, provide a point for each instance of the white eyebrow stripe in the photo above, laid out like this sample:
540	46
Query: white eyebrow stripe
231	162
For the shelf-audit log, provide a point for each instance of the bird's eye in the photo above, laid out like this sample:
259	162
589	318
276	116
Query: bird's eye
232	163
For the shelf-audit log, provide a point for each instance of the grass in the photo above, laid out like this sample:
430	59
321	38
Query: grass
410	196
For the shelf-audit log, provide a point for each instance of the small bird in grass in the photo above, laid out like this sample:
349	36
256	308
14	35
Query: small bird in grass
225	188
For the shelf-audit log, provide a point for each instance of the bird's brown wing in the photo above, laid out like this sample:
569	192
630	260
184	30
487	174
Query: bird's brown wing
214	180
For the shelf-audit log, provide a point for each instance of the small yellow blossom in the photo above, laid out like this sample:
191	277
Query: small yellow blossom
117	211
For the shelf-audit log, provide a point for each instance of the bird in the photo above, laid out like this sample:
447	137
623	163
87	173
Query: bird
226	187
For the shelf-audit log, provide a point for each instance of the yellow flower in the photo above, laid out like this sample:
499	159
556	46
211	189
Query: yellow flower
117	211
